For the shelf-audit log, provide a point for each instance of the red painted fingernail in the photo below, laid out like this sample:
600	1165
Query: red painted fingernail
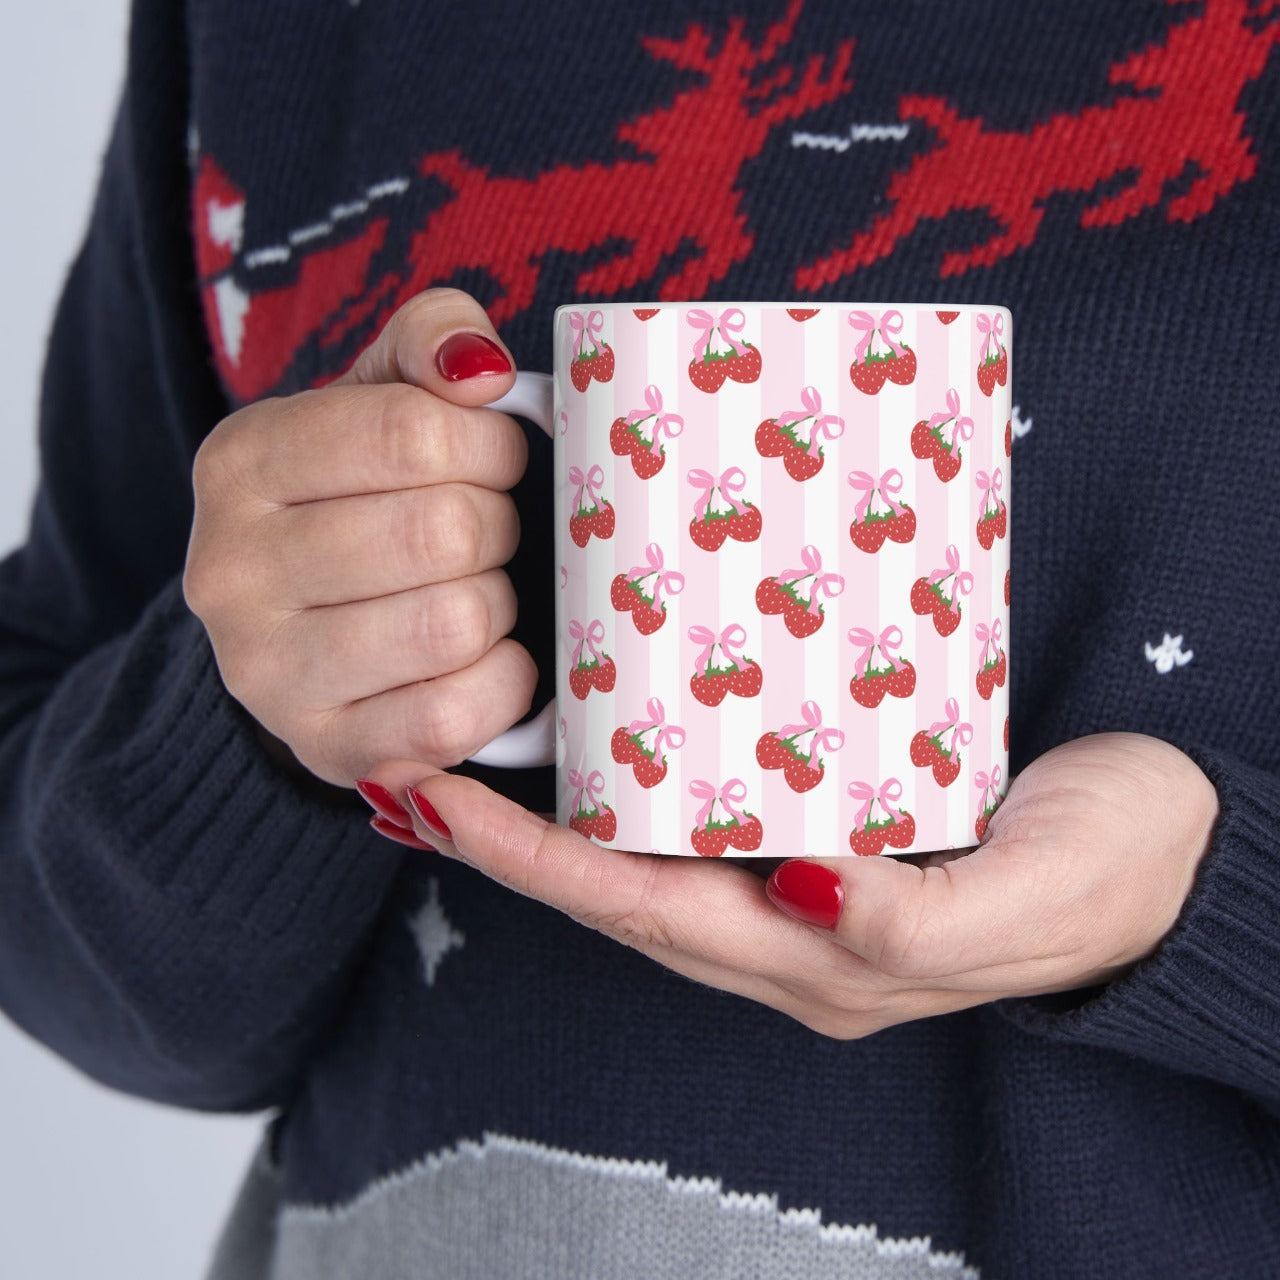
808	892
426	811
468	355
383	802
389	829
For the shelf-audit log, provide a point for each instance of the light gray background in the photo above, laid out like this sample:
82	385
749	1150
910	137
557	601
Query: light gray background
91	1183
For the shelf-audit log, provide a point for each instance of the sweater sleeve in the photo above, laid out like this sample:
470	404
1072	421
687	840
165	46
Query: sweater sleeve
178	918
1207	1002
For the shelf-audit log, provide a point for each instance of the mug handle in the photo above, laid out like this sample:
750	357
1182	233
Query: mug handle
534	741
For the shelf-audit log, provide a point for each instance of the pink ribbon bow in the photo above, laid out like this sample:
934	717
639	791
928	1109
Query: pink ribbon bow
730	321
888	483
730	483
730	640
964	581
888	795
962	730
669	580
593	785
828	426
990	486
590	636
590	326
990	637
564	423
992	329
887	322
732	794
963	429
587	482
888	642
668	735
667	424
988	783
829	584
824	738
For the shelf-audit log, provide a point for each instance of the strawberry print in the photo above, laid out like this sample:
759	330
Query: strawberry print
592	357
628	438
713	680
802	313
995	356
871	682
785	749
938	747
994	668
871	368
593	515
993	523
1008	438
719	513
989	785
938	438
929	596
794	436
647	756
589	815
639	591
712	364
879	822
734	828
596	671
645	313
794	594
946	316
878	516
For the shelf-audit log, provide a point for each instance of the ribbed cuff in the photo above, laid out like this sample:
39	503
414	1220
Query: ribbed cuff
1207	1003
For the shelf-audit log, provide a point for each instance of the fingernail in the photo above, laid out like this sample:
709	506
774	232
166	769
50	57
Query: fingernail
468	355
389	829
426	811
807	891
383	802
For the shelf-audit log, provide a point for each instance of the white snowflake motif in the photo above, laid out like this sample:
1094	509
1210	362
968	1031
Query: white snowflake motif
1169	654
433	932
1018	424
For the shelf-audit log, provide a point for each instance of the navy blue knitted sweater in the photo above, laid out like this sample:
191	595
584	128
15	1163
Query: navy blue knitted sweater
466	1082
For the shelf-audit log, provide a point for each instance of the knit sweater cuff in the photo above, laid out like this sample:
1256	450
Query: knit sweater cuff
1207	1002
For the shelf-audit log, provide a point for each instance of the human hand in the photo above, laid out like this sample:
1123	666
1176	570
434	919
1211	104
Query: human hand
346	550
1082	871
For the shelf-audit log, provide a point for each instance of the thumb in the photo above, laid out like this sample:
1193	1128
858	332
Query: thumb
443	342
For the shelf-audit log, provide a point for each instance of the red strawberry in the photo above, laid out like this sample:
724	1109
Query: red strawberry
1006	733
708	373
980	827
645	313
1006	586
710	687
901	369
1002	669
802	313
745	526
709	534
602	520
991	371
647	462
580	373
946	770
602	364
868	535
801	778
709	842
747	680
802	465
901	833
772	752
868	376
986	682
747	836
647	618
925	442
622	440
946	465
801	621
649	772
624	748
867	843
603	675
902	682
924	599
946	316
744	366
1008	439
771	442
869	690
621	595
986	531
924	750
1002	521
946	619
580	683
602	824
901	528
580	529
770	597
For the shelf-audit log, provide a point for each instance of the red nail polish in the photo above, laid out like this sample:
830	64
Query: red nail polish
426	811
469	355
808	892
383	802
399	834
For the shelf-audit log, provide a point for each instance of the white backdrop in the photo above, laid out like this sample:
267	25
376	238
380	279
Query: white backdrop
91	1183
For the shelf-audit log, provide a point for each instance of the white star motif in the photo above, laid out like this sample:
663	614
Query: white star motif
433	933
1169	654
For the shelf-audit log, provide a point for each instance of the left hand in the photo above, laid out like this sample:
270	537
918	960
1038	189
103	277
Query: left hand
1083	870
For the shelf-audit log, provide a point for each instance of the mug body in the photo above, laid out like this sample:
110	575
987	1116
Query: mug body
782	538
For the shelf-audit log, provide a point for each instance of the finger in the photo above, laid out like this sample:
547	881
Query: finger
358	548
443	342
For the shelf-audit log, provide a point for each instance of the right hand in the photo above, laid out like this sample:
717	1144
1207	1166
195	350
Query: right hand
346	555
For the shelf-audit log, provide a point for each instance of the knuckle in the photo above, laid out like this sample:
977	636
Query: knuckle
408	434
444	725
451	538
458	623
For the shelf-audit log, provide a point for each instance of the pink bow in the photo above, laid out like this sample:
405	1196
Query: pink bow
564	423
830	426
590	636
887	322
830	584
590	326
990	486
888	483
587	482
729	322
593	785
730	482
988	783
964	581
888	795
668	424
730	640
963	730
963	429
992	329
733	793
671	735
888	641
669	580
824	739
990	637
